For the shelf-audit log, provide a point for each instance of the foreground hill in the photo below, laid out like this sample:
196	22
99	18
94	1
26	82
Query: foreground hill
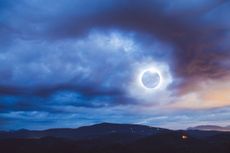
103	130
114	138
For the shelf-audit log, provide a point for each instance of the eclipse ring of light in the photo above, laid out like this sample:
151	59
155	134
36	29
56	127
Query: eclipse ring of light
150	78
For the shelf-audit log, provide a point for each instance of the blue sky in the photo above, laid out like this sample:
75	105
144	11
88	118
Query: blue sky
71	63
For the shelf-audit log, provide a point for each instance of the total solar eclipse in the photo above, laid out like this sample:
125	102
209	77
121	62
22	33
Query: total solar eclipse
150	79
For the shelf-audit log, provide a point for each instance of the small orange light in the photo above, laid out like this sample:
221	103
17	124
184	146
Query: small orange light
184	137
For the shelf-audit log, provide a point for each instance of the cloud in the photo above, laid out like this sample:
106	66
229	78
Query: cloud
73	57
208	94
195	39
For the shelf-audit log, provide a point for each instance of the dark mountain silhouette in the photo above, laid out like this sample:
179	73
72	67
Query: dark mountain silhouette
114	138
210	128
126	131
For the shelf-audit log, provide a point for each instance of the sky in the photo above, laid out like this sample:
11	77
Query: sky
70	63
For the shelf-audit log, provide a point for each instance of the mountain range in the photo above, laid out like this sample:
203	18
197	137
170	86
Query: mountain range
114	138
210	128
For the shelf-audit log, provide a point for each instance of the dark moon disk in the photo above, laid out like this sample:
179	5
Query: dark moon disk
150	79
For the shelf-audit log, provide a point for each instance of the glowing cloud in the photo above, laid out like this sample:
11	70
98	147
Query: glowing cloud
206	95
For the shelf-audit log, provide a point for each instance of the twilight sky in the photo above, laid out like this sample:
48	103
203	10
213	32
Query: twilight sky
68	63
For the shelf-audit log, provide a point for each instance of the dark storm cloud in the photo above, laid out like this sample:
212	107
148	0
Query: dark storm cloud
195	35
55	99
47	91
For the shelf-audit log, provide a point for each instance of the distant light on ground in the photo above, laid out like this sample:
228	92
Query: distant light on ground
184	137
